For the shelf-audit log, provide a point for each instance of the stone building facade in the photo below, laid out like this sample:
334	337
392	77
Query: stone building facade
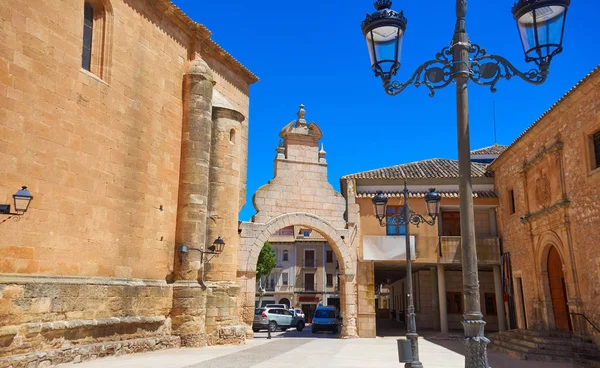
129	126
306	274
548	181
435	250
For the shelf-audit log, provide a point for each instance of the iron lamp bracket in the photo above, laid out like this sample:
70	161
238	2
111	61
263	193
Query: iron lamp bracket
482	68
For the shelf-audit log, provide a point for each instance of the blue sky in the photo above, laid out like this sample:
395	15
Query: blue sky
313	52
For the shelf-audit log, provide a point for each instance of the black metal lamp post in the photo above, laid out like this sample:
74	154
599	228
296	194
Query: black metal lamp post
215	249
541	28
22	198
406	218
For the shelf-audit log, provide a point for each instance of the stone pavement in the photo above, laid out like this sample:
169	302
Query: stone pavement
303	349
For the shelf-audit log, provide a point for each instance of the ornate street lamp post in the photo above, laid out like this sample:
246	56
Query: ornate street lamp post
541	27
406	218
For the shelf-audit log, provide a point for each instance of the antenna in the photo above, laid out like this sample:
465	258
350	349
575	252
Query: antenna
494	105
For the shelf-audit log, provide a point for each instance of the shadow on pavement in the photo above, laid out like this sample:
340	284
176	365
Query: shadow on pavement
306	333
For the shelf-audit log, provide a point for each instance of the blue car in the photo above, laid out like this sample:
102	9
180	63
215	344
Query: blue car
326	319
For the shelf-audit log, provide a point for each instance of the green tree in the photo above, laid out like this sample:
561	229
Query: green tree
266	263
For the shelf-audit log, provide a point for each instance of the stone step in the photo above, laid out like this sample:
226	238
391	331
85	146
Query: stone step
552	351
547	343
549	334
530	355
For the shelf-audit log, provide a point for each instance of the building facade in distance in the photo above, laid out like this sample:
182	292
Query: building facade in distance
435	250
129	126
307	271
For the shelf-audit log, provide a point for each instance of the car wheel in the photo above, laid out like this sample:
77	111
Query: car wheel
313	330
300	326
255	329
272	326
335	330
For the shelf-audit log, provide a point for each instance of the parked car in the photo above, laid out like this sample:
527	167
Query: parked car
298	312
276	306
326	319
274	318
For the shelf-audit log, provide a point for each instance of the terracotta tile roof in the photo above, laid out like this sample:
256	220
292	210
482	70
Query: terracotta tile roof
554	106
444	194
432	168
495	149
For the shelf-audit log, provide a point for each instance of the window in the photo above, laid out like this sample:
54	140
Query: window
511	201
391	228
285	256
88	26
329	256
309	281
490	303
284	279
97	37
450	223
595	150
329	280
232	136
454	301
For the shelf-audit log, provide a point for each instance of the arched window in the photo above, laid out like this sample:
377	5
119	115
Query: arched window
285	255
97	36
232	136
88	27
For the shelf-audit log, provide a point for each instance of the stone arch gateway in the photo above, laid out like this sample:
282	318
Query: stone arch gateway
300	195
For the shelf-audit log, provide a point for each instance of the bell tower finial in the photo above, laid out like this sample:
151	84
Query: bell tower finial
301	113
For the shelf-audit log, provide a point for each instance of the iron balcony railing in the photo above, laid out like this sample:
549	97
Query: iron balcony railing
307	287
309	263
450	252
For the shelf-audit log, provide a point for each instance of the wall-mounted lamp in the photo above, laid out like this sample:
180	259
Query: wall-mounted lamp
22	198
215	249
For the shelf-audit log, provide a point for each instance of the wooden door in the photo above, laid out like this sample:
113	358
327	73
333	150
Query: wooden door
309	281
450	223
309	258
556	279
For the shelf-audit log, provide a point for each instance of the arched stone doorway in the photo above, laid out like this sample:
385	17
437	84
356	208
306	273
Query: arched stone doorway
558	291
254	236
285	301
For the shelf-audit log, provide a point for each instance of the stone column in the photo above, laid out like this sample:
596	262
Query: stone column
349	306
441	276
434	298
189	297
224	189
499	298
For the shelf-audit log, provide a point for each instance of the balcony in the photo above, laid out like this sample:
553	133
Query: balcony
488	250
309	263
311	287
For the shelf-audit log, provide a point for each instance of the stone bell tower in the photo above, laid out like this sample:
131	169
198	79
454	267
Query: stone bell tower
213	153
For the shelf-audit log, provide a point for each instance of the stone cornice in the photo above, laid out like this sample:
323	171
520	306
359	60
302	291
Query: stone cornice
14	278
202	35
225	112
509	150
555	147
529	217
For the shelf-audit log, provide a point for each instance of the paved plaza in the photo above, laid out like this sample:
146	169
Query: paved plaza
303	349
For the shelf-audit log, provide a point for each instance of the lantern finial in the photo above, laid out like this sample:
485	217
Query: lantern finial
383	4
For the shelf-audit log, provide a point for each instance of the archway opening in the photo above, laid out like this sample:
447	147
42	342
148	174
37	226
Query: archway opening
306	274
558	292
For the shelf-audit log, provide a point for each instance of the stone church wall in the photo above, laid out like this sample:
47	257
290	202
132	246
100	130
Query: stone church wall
94	258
